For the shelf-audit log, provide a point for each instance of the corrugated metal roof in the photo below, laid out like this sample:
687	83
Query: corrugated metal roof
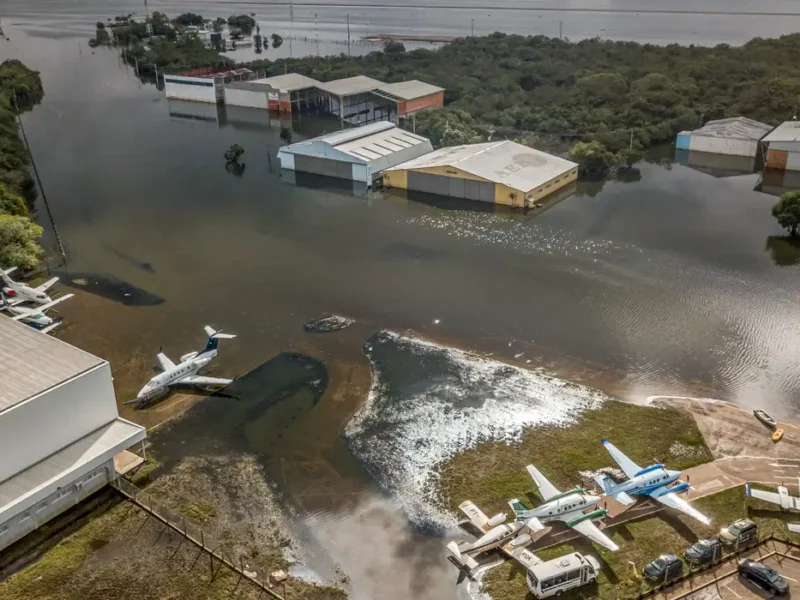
409	90
735	127
517	166
31	362
37	482
350	85
289	82
788	131
381	143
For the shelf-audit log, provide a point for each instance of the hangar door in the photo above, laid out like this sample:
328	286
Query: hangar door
323	166
451	186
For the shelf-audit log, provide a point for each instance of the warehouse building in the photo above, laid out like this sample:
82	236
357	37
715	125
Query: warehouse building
290	93
783	147
204	84
501	172
408	97
716	165
358	154
350	100
738	136
59	428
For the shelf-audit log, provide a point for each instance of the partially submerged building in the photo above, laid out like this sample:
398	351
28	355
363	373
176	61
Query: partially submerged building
783	146
737	136
204	84
59	428
357	154
501	172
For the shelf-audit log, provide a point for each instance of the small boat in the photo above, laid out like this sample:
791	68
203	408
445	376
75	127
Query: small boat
765	418
777	435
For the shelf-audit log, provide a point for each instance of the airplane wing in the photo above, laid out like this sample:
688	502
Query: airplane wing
50	328
592	531
782	498
524	557
546	489
46	285
629	467
164	362
678	503
42	308
201	381
474	514
9	271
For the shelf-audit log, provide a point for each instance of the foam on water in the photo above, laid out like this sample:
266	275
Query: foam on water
429	402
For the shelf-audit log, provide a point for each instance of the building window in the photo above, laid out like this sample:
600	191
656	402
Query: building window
548	185
42	507
3	530
539	191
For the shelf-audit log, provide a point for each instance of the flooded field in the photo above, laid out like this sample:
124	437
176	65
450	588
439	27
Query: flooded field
678	283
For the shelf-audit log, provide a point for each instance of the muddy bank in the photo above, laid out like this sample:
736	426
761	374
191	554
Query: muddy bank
733	431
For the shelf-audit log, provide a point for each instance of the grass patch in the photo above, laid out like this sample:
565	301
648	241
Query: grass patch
641	541
493	472
198	512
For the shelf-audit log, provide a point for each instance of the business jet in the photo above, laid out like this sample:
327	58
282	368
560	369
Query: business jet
18	292
36	317
566	507
511	538
185	372
653	481
783	498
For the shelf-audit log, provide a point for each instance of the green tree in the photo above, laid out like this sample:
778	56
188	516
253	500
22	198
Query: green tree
233	153
787	211
219	24
629	156
276	40
394	47
11	203
245	23
18	245
286	134
160	24
593	158
189	19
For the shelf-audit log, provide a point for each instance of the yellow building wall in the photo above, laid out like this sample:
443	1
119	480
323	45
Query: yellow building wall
502	193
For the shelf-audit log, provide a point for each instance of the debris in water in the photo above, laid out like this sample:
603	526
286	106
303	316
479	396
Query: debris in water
328	324
436	321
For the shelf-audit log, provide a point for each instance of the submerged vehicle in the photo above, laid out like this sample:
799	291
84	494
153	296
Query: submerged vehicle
763	576
765	418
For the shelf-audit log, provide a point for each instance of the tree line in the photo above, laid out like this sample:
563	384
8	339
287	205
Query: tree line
20	89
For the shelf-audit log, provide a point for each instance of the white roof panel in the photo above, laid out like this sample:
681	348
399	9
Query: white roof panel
789	131
381	143
289	82
350	85
40	480
32	362
409	90
505	162
734	128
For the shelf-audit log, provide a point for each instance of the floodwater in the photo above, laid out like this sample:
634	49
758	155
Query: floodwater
677	283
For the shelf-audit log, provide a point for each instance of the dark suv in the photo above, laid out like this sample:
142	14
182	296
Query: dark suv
763	576
664	568
703	551
741	532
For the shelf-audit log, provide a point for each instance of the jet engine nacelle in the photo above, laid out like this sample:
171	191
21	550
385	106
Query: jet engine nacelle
519	541
186	357
496	520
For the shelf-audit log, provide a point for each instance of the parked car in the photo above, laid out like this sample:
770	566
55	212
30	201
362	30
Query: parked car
742	531
703	551
763	576
664	568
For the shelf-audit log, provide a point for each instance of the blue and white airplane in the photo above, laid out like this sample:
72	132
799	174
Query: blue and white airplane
653	481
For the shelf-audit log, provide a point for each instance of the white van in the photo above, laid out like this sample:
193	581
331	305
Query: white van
553	577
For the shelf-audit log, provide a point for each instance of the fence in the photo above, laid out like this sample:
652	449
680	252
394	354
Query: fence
195	535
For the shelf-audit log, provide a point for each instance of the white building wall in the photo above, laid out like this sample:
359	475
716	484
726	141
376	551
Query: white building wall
59	416
287	160
716	145
360	173
68	495
197	89
249	98
788	146
793	161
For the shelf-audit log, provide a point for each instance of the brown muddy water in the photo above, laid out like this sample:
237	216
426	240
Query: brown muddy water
677	283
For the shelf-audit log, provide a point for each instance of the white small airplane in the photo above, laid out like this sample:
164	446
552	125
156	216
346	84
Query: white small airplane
783	498
653	481
511	538
18	292
185	372
36	316
566	507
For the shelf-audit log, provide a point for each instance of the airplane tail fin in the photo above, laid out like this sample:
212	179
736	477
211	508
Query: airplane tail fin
606	483
214	336
518	507
4	273
462	561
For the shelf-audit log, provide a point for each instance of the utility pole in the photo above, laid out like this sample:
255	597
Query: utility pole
348	34
291	27
473	27
316	30
631	145
560	29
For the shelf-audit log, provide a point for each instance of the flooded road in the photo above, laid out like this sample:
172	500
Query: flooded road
668	285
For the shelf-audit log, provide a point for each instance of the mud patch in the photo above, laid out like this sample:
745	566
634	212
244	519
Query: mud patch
328	324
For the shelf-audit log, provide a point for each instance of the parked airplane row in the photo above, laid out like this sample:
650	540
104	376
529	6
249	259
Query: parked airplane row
15	294
656	482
